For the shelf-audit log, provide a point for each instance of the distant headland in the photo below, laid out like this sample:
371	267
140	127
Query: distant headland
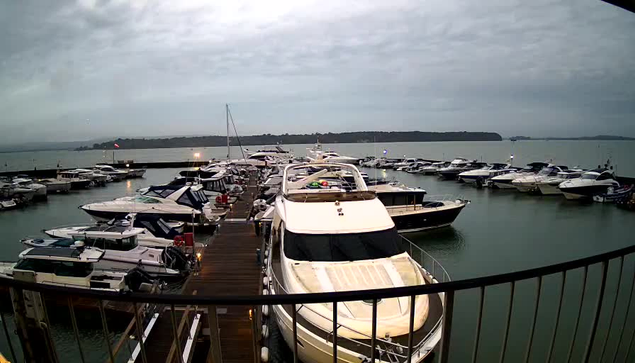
290	139
595	138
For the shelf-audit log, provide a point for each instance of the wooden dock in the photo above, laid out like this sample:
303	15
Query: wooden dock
229	266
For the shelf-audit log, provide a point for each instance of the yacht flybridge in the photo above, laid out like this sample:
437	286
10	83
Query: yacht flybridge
331	237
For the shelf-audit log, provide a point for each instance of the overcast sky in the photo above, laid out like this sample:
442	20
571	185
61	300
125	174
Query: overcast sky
78	70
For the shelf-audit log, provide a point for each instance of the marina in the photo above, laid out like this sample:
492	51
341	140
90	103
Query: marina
230	254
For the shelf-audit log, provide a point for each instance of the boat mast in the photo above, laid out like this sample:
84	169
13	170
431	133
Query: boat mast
227	121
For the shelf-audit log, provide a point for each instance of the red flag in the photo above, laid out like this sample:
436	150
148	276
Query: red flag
117	146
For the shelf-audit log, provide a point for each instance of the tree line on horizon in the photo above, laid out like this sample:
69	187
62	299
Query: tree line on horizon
289	139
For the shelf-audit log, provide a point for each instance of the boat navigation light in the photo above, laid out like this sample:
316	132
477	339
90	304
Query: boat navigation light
197	155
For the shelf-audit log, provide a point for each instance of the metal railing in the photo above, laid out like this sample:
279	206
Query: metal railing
578	310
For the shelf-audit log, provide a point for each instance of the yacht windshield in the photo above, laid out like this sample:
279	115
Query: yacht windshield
342	247
145	200
590	176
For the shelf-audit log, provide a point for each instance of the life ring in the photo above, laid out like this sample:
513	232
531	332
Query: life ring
219	200
179	241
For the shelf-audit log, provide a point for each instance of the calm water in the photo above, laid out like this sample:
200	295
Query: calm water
499	231
586	154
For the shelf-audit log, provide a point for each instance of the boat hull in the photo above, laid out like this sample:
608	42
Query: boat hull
105	216
548	189
584	192
422	218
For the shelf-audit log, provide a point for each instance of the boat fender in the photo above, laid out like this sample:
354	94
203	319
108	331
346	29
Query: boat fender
265	281
265	331
265	310
264	354
179	241
265	292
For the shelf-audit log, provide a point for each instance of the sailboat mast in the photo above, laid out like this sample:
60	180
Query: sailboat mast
227	121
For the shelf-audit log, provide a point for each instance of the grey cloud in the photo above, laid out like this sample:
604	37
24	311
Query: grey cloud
551	67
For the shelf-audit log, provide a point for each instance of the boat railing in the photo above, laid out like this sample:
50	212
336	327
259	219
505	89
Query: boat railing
578	310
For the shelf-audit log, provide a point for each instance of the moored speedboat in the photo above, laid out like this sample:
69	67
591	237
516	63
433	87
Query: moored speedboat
412	213
156	232
528	183
549	186
75	178
458	166
504	181
74	267
115	174
591	183
433	168
121	251
172	203
56	185
485	173
349	242
26	183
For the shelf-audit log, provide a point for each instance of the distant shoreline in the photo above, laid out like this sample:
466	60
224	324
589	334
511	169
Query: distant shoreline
288	139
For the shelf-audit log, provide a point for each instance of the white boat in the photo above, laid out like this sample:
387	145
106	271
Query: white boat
58	185
591	183
433	168
504	181
528	183
316	154
121	251
115	174
7	203
458	166
416	167
135	173
327	239
549	186
20	194
172	203
73	267
485	173
406	162
276	151
156	232
26	183
96	178
76	179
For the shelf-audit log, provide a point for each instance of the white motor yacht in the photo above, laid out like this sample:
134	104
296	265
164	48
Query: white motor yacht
433	168
56	185
328	239
549	186
316	154
121	251
405	163
416	167
458	166
20	194
115	174
26	183
485	173
591	183
73	267
95	177
172	203
528	183
77	180
504	181
156	232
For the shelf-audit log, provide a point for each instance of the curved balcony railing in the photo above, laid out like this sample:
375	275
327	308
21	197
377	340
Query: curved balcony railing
577	310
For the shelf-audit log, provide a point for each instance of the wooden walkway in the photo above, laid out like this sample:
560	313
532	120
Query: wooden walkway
228	267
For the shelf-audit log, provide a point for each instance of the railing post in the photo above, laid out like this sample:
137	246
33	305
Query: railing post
411	326
508	322
373	338
448	310
71	310
479	320
612	315
628	309
335	332
6	333
577	321
215	354
294	319
596	317
140	333
104	326
175	333
533	323
555	328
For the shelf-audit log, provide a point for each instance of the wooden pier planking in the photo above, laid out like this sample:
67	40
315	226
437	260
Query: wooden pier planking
228	267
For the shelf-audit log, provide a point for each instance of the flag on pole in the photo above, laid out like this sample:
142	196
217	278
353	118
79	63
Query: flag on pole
116	146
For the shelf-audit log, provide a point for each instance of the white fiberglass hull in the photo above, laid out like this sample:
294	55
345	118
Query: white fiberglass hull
548	189
145	239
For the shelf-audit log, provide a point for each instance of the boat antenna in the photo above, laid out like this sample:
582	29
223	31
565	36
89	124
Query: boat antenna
227	122
236	132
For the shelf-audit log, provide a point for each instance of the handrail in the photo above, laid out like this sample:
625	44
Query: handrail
385	293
